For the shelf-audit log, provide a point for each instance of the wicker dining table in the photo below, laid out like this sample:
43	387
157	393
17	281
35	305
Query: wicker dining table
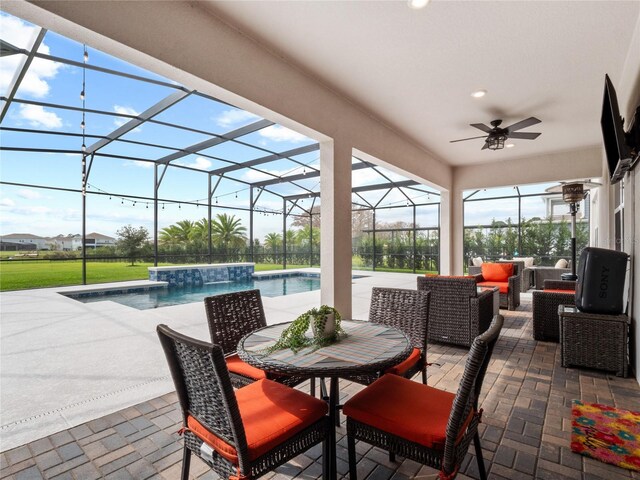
366	350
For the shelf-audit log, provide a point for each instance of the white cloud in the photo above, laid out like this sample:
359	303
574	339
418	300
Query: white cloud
135	163
232	118
200	163
37	116
29	194
124	111
7	202
35	82
278	133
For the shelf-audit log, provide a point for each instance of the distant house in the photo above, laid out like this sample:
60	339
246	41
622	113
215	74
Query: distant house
27	241
23	241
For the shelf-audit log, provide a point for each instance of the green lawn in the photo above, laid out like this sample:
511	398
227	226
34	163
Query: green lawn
38	274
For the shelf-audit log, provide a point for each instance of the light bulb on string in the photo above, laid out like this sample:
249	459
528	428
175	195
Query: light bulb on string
82	95
82	125
84	147
216	200
85	57
163	206
122	202
179	207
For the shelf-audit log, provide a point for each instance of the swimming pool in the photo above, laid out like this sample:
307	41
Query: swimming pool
144	299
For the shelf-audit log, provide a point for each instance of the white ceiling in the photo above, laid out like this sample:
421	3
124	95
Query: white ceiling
416	69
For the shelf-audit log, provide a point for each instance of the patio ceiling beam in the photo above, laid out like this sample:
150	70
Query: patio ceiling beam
17	79
302	176
149	113
269	158
217	140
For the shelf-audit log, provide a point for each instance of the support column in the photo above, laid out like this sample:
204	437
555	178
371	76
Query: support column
335	227
451	233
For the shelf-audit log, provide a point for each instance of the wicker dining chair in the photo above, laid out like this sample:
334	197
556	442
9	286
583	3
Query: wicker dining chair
546	323
422	423
408	311
231	316
240	434
457	311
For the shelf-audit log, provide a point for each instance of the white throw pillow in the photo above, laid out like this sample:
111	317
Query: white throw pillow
528	262
477	261
562	263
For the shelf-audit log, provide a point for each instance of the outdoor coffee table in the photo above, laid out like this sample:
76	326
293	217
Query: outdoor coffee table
368	349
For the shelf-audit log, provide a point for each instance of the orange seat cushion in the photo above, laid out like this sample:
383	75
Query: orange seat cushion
554	290
503	287
271	413
497	272
408	409
404	366
235	365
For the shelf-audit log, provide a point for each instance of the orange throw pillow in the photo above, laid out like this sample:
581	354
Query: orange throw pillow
497	272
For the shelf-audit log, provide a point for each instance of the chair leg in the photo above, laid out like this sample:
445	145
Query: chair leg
351	447
186	463
479	458
392	456
424	376
312	386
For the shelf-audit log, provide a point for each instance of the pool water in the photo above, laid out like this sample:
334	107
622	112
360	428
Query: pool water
163	297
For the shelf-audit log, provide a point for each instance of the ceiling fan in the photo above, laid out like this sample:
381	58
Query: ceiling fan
496	136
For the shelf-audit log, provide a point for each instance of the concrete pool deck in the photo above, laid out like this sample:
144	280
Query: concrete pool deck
63	362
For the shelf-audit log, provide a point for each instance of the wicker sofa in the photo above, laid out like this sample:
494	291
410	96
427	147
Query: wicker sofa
546	326
510	299
457	312
540	274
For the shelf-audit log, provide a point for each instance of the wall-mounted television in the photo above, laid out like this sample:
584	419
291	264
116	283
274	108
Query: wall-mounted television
619	154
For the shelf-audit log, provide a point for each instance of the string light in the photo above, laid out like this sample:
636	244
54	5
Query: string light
82	95
86	55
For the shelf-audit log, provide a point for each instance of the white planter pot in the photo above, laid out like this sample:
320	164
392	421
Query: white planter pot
329	327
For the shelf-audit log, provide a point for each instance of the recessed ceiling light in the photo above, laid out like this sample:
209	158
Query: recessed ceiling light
479	93
417	4
510	145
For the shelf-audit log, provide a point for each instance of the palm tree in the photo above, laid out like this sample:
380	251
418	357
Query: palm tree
177	235
227	231
273	241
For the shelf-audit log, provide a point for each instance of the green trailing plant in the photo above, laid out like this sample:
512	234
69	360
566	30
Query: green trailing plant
294	337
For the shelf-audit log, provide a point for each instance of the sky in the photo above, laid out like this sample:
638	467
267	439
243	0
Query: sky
45	212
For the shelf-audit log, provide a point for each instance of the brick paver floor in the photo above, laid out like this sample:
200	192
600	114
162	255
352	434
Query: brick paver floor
525	430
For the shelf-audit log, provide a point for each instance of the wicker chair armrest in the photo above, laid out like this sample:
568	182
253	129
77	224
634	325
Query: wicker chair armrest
478	277
559	285
475	270
481	311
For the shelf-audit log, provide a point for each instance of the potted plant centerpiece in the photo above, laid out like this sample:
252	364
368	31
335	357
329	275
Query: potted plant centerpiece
325	328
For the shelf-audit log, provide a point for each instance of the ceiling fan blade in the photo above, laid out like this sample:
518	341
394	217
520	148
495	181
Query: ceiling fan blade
523	124
486	145
481	126
524	135
465	139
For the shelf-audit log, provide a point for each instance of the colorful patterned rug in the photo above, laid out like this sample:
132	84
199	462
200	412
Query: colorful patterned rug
608	434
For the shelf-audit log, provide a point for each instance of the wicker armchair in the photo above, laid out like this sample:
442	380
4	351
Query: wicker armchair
457	312
509	299
238	434
422	423
542	274
231	316
546	324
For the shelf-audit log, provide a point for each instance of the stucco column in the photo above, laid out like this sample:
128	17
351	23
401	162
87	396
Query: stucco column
446	234
335	226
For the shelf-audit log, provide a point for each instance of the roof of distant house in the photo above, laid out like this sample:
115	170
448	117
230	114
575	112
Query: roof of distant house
21	235
99	236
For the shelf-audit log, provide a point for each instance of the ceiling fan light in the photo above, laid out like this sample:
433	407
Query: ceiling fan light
417	4
478	93
510	145
496	142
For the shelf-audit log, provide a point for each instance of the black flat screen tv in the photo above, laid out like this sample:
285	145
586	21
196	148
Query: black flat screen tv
616	149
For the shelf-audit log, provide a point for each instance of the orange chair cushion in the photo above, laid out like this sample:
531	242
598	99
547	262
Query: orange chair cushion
497	272
408	409
503	287
405	365
271	413
554	290
235	365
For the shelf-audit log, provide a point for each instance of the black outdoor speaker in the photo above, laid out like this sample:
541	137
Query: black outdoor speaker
600	286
